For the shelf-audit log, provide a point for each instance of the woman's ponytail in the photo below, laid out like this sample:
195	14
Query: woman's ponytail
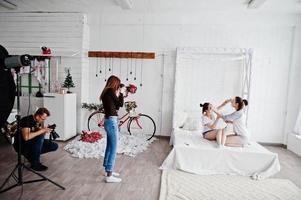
205	106
245	101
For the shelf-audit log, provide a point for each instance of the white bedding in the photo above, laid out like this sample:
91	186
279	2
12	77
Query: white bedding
192	153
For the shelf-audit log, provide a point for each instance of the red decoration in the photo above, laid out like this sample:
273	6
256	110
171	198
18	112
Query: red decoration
131	88
90	136
46	50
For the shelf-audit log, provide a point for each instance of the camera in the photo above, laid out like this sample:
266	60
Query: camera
53	134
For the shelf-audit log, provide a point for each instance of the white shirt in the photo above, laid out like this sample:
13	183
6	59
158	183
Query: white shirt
207	121
238	119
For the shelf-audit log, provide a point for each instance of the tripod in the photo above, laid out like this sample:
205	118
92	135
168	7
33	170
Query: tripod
20	165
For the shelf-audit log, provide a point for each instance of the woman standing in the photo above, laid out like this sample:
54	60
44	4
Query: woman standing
240	135
112	100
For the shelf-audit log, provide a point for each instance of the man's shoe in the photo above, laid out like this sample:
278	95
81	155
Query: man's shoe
112	179
39	167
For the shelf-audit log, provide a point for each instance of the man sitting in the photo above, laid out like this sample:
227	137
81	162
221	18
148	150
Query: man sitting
33	143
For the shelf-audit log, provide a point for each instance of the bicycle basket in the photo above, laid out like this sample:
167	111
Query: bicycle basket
130	106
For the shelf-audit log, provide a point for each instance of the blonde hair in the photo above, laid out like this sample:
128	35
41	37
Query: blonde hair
113	82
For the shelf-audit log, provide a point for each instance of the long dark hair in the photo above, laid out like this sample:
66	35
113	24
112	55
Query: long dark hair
205	107
241	102
113	82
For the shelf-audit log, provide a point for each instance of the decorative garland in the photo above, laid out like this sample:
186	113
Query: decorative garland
92	106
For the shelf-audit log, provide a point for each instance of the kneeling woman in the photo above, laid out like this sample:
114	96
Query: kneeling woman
240	135
209	122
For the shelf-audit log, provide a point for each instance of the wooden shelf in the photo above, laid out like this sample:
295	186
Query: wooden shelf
55	54
111	54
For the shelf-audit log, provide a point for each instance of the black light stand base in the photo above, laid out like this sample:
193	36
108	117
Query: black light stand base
20	165
20	182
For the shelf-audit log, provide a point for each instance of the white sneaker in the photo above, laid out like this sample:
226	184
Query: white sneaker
113	173
112	179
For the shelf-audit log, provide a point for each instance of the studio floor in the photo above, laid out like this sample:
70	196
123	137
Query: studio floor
83	178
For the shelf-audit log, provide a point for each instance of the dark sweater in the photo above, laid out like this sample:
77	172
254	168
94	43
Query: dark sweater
111	103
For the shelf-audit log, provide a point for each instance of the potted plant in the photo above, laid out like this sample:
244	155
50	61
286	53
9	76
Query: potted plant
68	83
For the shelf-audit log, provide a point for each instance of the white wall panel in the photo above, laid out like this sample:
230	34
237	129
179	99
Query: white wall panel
269	36
294	88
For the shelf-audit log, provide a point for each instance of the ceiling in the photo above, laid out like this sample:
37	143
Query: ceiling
154	6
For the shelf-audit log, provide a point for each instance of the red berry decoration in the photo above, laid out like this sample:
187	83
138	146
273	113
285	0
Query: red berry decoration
90	137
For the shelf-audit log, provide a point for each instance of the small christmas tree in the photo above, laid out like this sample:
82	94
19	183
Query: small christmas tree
68	81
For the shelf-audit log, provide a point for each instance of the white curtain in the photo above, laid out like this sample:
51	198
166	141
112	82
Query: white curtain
297	128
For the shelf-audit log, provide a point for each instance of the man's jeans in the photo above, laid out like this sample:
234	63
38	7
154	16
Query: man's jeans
32	149
111	127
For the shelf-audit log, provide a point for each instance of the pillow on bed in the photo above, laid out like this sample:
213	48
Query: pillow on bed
192	124
179	119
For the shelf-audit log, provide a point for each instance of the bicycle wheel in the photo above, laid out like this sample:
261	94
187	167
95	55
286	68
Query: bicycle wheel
142	124
96	121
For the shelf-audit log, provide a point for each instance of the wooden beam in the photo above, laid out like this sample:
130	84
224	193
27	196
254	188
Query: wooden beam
112	54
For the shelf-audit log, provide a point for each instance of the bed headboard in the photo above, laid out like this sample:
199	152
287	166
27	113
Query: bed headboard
209	75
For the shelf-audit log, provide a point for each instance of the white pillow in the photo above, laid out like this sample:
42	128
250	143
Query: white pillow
192	124
179	119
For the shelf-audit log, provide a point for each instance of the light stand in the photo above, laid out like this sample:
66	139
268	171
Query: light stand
20	165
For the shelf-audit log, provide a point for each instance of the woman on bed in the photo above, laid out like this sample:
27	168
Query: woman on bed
240	135
209	122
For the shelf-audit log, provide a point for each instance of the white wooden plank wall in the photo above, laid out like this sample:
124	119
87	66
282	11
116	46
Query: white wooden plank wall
65	33
29	31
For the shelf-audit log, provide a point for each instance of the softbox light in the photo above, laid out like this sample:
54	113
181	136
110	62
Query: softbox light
7	88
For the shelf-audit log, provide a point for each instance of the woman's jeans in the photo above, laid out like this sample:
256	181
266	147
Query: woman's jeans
111	127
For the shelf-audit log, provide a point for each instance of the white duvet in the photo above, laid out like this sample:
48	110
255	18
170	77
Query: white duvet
192	153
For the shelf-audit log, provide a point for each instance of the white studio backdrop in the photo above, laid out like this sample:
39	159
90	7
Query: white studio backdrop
209	75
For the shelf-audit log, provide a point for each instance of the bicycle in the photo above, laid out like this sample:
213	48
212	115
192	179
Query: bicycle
137	123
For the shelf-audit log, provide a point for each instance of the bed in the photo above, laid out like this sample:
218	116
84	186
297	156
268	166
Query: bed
194	84
192	153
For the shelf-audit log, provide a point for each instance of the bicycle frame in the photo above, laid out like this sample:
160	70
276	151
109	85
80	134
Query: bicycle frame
133	122
127	116
122	120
